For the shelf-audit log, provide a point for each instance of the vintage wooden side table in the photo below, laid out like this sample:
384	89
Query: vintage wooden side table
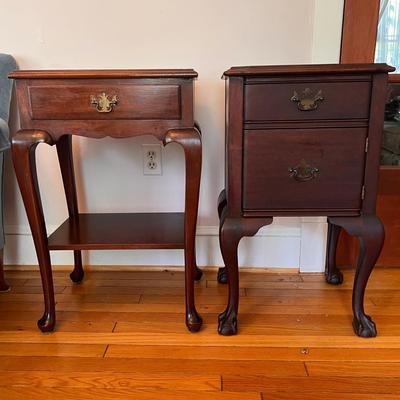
54	105
303	140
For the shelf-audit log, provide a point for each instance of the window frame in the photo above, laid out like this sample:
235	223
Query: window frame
359	31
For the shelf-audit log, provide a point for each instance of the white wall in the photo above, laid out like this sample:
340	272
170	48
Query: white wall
209	36
327	37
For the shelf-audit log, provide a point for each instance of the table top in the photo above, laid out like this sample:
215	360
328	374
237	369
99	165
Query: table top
103	73
307	69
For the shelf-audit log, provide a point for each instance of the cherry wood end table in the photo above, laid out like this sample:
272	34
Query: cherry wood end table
300	141
54	105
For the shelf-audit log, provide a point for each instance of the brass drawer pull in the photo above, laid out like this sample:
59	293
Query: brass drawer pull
307	100
303	172
102	102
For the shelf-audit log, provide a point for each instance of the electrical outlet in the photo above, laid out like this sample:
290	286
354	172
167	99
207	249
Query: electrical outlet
152	160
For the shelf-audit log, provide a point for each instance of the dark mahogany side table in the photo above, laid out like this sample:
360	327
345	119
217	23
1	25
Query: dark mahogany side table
303	140
54	105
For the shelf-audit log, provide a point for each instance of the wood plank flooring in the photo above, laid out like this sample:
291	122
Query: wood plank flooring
121	335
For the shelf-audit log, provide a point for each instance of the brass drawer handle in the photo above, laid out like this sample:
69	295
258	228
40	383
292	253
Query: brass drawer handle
102	102
307	100
303	172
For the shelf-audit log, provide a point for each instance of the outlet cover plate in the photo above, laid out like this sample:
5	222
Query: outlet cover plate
152	159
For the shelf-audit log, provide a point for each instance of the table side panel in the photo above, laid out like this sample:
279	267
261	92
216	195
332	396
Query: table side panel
379	95
234	144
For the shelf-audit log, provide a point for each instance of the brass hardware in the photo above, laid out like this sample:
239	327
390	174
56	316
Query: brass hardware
102	102
303	172
307	100
366	145
363	193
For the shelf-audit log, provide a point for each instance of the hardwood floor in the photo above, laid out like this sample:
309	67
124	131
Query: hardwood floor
121	335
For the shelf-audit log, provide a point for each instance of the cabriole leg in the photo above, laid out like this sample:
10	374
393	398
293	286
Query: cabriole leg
231	231
229	238
24	144
222	276
77	273
332	273
198	272
4	287
371	234
371	241
65	159
190	140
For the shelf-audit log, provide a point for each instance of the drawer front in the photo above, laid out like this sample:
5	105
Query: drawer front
304	169
105	101
307	101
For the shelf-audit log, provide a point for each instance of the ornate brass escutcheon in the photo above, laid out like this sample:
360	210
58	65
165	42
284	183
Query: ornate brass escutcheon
303	172
307	100
102	102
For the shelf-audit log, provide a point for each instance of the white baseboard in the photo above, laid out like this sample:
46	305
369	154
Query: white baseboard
280	245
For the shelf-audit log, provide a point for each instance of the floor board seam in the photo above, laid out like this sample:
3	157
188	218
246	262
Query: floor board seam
306	369
105	351
372	301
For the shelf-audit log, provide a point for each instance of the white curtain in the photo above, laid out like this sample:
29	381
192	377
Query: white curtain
382	8
388	37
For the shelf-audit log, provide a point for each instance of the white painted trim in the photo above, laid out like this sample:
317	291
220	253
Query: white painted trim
274	246
313	244
212	230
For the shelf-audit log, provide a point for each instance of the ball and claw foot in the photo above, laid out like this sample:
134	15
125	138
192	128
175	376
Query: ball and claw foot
227	324
193	322
47	322
77	275
222	276
364	327
335	278
198	274
222	316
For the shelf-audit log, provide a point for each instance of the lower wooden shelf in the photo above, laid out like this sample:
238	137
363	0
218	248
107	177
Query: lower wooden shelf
113	231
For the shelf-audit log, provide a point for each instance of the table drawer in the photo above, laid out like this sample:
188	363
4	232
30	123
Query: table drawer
78	101
303	169
307	101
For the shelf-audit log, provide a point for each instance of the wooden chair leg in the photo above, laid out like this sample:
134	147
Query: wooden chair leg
190	140
24	144
65	159
371	234
4	287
